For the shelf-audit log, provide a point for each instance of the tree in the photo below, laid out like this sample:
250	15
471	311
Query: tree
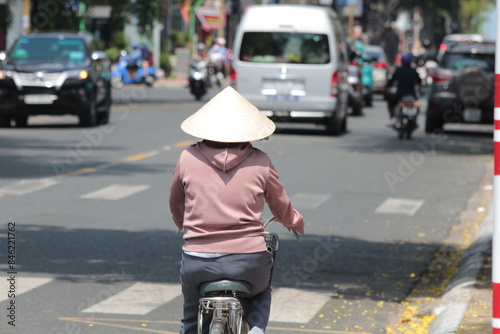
68	14
472	14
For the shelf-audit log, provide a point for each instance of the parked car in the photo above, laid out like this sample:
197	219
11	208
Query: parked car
376	56
451	40
54	74
462	88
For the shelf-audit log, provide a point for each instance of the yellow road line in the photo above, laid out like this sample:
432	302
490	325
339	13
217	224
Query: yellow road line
138	157
93	322
308	330
183	143
103	322
81	171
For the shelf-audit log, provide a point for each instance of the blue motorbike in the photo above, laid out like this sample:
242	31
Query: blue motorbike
132	71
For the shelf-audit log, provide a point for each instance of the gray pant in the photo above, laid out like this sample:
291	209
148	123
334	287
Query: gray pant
254	268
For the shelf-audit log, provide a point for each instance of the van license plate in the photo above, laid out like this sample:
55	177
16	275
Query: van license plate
38	99
472	115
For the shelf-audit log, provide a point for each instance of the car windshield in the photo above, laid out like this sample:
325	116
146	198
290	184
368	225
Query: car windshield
278	47
460	61
53	50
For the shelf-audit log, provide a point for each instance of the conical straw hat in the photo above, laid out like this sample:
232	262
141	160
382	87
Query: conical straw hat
228	118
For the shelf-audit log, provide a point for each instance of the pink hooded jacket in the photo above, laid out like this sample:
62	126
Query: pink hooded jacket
218	193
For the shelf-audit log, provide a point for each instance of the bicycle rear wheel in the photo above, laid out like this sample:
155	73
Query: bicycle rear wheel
218	326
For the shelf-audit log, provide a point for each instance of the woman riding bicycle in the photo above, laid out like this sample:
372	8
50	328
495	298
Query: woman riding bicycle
218	192
406	78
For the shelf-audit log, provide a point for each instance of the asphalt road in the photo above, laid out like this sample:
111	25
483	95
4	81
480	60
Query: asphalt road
97	252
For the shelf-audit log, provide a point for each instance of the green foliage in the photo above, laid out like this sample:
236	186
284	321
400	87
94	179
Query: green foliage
180	39
113	54
165	63
147	12
120	40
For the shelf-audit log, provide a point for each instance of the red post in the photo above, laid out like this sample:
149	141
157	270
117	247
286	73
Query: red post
496	188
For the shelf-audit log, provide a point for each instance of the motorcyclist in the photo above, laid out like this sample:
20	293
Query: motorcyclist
218	54
406	79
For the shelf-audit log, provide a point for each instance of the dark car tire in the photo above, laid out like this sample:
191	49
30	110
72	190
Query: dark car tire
356	108
433	123
4	121
104	115
334	126
88	117
369	100
21	121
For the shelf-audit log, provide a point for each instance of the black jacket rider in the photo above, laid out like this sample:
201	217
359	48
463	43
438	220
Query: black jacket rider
406	78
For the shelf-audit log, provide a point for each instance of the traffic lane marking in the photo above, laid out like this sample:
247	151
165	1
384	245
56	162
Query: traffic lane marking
92	322
27	186
140	298
22	285
404	206
115	192
301	305
104	322
140	156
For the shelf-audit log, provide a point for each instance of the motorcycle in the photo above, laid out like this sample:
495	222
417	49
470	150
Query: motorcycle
198	78
406	117
132	71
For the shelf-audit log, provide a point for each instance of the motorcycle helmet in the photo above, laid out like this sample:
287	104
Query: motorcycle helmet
406	58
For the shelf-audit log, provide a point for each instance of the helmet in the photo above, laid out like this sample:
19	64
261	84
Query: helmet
221	41
406	58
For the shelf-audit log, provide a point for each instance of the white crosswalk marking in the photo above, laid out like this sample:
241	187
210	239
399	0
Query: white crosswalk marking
20	285
296	306
140	298
288	305
27	186
400	206
115	192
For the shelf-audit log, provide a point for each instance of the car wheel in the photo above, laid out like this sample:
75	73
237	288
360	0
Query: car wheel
150	81
21	121
103	116
356	108
369	100
4	121
433	123
89	114
334	126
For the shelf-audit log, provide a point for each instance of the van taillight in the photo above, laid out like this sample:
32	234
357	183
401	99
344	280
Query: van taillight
232	76
335	84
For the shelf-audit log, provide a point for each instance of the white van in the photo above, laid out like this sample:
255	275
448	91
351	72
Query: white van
290	61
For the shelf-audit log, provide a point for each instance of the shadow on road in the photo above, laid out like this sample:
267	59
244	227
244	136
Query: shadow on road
346	267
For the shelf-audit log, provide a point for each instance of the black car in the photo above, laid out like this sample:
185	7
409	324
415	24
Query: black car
462	89
54	74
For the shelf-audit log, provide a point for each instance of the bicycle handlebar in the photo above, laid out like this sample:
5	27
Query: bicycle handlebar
269	221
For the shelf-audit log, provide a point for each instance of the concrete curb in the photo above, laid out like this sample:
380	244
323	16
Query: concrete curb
452	307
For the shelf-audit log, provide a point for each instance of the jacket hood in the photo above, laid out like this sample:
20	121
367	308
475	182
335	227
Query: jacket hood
225	156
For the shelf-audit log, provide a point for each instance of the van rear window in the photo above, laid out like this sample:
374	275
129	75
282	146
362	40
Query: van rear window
278	47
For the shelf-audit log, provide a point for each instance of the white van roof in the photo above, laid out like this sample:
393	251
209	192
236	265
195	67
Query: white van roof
303	18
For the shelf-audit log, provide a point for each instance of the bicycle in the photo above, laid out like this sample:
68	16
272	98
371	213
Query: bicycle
222	297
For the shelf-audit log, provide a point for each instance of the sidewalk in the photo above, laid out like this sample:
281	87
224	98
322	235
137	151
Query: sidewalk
178	81
478	317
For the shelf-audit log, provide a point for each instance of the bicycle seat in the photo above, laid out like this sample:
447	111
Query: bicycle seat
225	285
